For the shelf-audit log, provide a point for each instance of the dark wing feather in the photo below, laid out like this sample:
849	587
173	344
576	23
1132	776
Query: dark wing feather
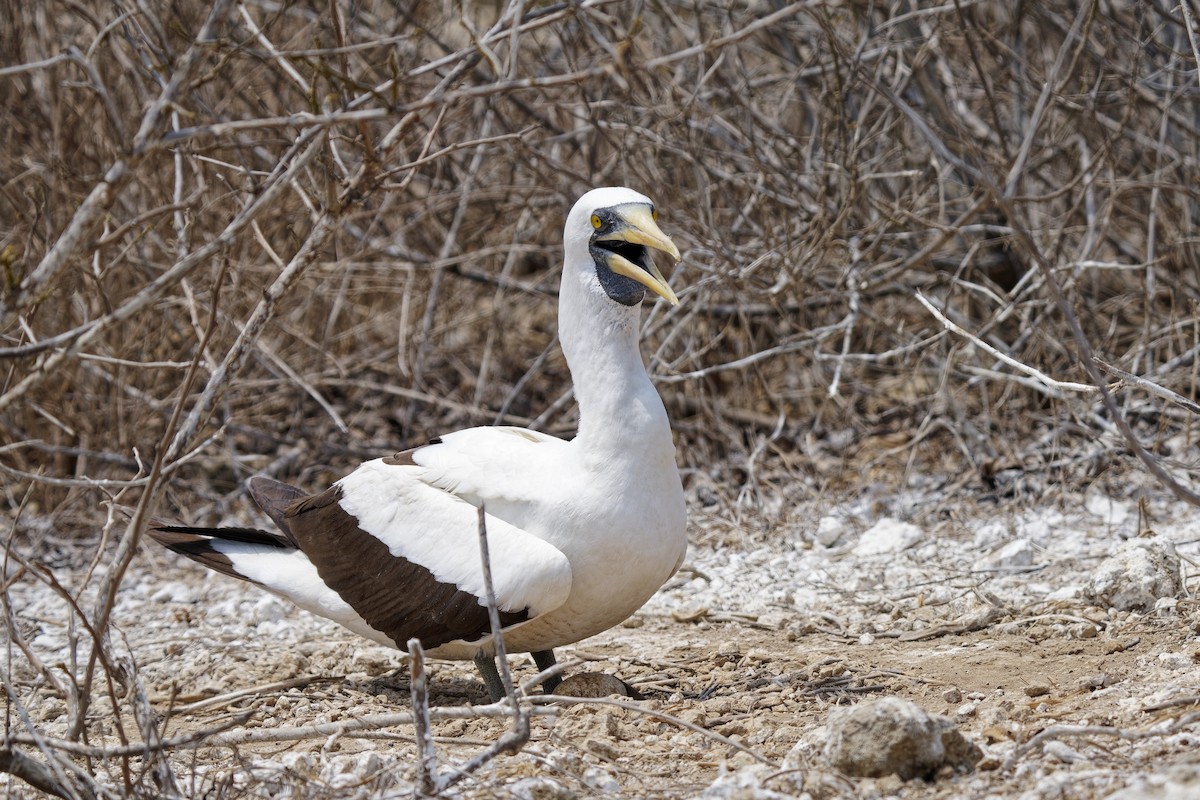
274	497
401	599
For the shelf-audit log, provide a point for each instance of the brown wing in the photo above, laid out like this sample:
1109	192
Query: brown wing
393	595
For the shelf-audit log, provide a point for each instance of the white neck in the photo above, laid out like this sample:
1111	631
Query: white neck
620	413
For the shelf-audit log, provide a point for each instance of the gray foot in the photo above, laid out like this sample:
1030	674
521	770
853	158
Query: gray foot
545	660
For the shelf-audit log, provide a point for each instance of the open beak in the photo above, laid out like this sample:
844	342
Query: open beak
641	229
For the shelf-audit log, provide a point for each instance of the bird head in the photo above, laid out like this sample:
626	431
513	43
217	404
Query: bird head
614	231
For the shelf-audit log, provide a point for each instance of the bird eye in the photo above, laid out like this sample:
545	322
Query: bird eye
596	221
654	214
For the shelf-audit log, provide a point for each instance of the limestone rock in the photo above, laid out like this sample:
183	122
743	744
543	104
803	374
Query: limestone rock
1136	576
892	736
888	536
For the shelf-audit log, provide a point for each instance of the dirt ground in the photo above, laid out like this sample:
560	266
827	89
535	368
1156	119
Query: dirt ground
988	615
765	689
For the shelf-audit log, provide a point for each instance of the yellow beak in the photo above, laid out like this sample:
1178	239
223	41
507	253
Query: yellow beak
640	228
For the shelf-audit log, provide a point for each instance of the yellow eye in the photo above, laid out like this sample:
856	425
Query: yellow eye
596	222
654	214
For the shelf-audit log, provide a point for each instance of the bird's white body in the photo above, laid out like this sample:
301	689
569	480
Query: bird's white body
581	532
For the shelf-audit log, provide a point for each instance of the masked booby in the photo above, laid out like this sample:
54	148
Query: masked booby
581	532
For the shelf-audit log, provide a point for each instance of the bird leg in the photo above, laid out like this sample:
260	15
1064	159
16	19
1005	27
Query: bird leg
545	660
486	664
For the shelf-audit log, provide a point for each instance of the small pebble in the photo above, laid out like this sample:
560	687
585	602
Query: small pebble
1064	753
830	530
1097	681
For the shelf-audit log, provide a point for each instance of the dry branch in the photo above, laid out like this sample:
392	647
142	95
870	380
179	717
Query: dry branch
101	198
1040	377
1055	732
427	772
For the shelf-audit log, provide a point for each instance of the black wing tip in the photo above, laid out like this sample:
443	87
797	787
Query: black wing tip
186	534
196	544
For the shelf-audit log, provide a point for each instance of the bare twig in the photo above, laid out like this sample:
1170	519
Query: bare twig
427	772
1064	731
517	736
248	337
637	708
347	728
41	777
105	192
1189	25
250	691
1149	386
1039	376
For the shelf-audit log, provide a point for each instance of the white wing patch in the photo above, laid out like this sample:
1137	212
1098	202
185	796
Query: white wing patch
494	465
431	527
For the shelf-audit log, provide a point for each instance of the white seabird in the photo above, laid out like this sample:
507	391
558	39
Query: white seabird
581	533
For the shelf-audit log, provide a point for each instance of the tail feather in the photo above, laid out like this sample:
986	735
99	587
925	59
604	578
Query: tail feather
200	544
218	548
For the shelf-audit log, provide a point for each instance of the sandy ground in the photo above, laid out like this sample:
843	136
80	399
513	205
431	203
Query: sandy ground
993	614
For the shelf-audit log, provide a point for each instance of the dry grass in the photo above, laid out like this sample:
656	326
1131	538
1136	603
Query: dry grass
248	238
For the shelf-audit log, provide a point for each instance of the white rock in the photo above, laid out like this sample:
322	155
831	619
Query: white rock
830	530
892	736
1014	555
1040	524
1072	591
269	609
48	642
601	780
1175	783
174	592
743	784
1166	606
373	658
279	629
1175	661
991	533
1111	512
540	788
1136	576
888	536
